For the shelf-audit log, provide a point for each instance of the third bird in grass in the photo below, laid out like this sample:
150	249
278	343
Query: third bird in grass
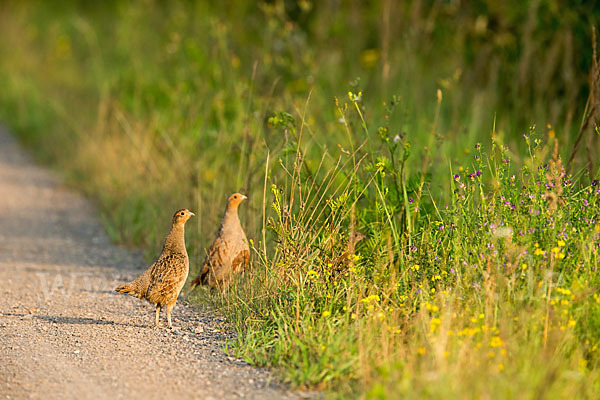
229	253
162	282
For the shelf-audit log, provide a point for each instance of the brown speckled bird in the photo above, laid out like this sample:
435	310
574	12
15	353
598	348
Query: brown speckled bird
340	264
162	282
229	253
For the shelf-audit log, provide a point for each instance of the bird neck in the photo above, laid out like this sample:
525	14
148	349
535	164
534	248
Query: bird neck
231	220
175	241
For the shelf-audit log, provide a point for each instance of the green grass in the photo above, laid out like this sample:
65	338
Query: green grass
478	275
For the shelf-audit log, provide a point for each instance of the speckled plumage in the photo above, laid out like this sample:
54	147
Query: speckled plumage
229	254
340	264
162	282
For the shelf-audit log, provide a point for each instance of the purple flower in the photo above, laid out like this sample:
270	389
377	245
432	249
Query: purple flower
457	177
410	200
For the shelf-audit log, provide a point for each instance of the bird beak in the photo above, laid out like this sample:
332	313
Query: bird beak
244	197
191	214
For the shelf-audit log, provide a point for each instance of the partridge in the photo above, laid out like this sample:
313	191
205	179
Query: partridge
343	261
229	253
161	283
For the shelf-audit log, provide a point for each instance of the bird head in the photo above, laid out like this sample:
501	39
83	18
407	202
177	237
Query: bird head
356	237
181	216
234	201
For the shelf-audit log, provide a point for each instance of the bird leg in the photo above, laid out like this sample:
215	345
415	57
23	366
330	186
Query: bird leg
169	309
158	315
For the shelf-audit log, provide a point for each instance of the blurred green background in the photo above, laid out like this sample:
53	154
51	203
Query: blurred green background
151	105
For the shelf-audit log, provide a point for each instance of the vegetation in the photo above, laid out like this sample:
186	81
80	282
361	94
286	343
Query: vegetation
478	275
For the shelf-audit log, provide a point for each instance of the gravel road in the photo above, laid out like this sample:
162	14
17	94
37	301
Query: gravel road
65	333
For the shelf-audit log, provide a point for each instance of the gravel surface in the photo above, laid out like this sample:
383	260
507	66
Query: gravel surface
65	333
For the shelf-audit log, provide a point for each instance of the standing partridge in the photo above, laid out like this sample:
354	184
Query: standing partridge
229	253
161	283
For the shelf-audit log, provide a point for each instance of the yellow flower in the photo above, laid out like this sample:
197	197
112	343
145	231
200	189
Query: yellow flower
560	255
421	350
500	367
524	267
539	252
371	298
326	314
571	323
561	243
495	341
434	324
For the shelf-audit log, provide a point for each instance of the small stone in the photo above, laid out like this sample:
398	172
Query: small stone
76	352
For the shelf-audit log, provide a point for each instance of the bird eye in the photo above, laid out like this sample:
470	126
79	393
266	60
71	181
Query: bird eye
235	197
181	213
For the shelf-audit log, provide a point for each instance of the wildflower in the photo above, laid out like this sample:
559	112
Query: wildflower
434	324
326	314
495	341
500	367
561	243
456	177
539	252
421	350
355	97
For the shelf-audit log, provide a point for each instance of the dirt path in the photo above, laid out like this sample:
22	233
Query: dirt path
64	332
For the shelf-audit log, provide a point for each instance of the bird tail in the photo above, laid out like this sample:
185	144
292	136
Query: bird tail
137	288
128	288
201	278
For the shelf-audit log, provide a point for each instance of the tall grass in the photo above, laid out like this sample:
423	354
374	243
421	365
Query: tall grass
477	276
491	295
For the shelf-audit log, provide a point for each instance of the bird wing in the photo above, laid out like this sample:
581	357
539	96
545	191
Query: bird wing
240	262
167	276
215	260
